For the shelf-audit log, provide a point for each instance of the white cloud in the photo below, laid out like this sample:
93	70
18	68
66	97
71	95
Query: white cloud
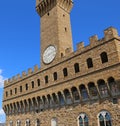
1	79
2	116
2	112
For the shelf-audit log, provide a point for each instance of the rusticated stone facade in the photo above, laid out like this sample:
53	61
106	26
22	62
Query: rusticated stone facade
80	88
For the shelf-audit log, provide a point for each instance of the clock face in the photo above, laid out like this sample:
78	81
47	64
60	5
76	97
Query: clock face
49	54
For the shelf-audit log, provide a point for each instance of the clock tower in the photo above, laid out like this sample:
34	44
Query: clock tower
55	26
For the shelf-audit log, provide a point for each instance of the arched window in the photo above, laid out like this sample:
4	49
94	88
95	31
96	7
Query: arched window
18	123
113	86
27	122
6	94
104	119
89	62
55	76
55	99
38	82
76	68
83	92
75	94
46	79
102	88
104	57
32	84
50	102
30	105
26	86
93	90
65	73
45	101
61	99
11	123
83	120
67	96
54	122
37	123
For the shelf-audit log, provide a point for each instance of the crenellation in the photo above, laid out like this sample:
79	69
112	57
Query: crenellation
80	46
36	68
30	71
93	40
110	33
24	74
68	51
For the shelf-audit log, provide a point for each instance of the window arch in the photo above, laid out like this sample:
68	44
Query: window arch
32	84
104	119
54	121
67	96
11	123
93	90
76	68
61	99
83	92
38	82
46	79
102	88
113	86
89	62
104	57
75	94
55	76
83	120
37	122
27	122
18	123
65	72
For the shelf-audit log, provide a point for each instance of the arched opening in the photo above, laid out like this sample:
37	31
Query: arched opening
65	72
38	82
30	105
37	122
11	123
75	94
76	68
102	88
104	57
55	76
83	120
61	99
56	102
104	119
93	90
113	86
50	100
83	92
67	96
18	123
89	62
54	122
35	105
45	101
46	79
32	84
27	122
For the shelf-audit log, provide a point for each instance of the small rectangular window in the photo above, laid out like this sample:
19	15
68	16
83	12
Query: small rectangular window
20	88
15	90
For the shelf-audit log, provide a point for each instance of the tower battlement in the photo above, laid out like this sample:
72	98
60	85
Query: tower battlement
109	34
43	6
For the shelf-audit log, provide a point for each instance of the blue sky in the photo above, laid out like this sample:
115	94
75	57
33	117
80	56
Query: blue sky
20	32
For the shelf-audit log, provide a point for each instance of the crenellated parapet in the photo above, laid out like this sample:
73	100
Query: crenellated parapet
21	76
43	6
109	34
